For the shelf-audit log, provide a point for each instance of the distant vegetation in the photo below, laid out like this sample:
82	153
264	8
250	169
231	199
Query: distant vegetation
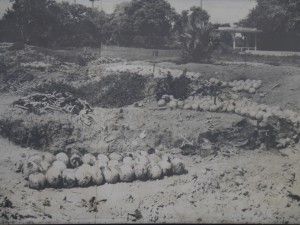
280	22
143	23
138	23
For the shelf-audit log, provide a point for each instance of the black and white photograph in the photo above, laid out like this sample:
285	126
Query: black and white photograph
149	111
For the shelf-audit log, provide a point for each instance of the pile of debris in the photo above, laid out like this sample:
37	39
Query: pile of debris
106	60
36	65
63	102
145	70
77	170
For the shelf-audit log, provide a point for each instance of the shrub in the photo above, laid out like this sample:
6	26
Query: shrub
197	45
179	87
115	90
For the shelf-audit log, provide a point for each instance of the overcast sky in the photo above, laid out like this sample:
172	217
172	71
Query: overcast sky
221	11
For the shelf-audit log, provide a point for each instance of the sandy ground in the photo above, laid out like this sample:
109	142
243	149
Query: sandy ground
248	187
233	186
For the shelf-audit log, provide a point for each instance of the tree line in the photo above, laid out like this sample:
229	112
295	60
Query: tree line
143	23
280	22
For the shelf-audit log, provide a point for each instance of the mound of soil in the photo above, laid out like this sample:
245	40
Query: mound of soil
115	90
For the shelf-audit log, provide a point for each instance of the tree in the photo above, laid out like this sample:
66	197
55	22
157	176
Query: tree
142	22
196	35
30	21
279	20
48	23
79	25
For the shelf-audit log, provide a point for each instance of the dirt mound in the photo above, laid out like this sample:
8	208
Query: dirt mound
115	90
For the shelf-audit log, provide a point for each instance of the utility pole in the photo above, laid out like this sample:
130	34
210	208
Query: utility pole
119	27
201	3
101	32
93	1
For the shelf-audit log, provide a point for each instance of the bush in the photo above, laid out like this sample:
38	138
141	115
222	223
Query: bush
197	45
115	90
179	87
196	35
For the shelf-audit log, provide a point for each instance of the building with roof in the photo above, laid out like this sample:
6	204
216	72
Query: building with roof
247	37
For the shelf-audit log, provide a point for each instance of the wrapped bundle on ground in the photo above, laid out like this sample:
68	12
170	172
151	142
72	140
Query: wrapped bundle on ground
126	173
89	159
161	103
154	158
178	166
100	164
97	175
53	177
44	166
142	160
69	178
30	168
37	181
63	157
75	161
113	163
132	155
35	158
103	158
115	156
154	171
89	170
111	175
49	157
144	153
128	161
166	167
59	165
141	171
83	175
166	157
